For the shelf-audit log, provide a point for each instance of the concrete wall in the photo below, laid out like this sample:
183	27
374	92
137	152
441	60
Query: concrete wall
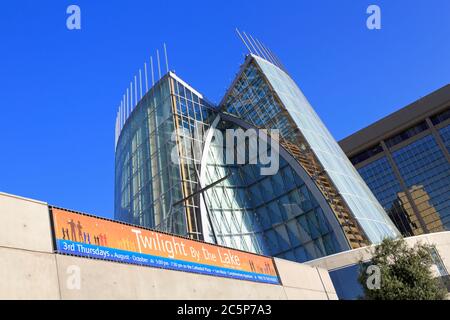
441	240
24	224
347	280
30	270
305	283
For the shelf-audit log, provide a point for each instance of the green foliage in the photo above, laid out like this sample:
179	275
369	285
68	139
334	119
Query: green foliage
405	273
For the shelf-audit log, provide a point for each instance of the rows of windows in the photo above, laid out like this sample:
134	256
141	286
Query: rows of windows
441	117
192	115
398	138
273	215
148	180
380	178
424	206
445	135
367	154
252	100
407	134
426	173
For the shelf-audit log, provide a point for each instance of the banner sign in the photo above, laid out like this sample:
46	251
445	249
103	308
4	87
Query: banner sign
87	236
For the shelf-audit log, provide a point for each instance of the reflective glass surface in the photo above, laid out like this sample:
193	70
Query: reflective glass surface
275	215
445	135
192	115
272	215
407	134
345	281
251	98
381	179
148	182
426	173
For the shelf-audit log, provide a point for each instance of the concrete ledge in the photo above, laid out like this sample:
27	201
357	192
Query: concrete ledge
342	259
28	275
25	224
441	240
35	275
303	294
326	281
300	276
109	280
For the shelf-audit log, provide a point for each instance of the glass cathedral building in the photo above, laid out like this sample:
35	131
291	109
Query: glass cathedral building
172	172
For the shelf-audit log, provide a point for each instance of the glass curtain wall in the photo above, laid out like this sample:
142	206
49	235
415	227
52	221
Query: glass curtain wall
147	182
275	215
261	96
156	164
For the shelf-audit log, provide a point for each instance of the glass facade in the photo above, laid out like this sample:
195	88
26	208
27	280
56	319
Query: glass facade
172	174
191	115
266	96
426	173
381	179
410	177
276	215
445	136
345	281
148	183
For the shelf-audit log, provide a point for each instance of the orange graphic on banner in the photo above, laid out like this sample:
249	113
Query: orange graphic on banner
99	232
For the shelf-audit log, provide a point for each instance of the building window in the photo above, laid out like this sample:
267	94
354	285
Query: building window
407	134
367	154
441	117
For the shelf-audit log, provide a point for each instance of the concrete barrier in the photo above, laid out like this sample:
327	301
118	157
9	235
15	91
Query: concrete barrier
28	275
30	270
440	240
24	224
343	266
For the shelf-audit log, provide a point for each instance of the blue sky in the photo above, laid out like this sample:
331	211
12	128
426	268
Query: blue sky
59	89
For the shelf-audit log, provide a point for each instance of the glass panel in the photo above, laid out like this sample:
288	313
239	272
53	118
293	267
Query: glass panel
252	100
426	173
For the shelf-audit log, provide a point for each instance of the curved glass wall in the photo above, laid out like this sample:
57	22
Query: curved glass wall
156	168
147	183
275	215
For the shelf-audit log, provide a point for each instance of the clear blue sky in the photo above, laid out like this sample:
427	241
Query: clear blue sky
59	89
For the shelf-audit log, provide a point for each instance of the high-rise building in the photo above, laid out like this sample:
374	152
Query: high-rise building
405	160
173	171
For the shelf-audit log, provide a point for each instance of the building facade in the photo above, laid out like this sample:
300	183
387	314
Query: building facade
173	173
405	160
